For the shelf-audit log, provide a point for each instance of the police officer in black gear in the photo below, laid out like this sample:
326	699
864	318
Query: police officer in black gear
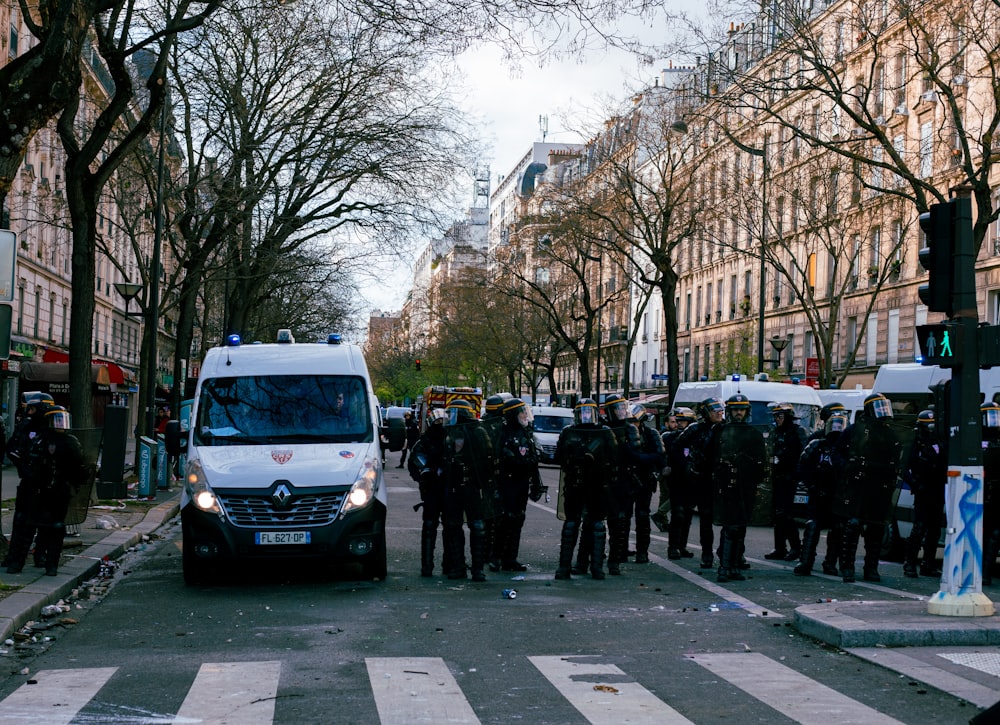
681	498
864	491
819	466
925	473
54	467
426	467
651	460
469	475
991	488
786	442
824	415
493	424
626	485
738	459
698	476
27	424
519	479
588	456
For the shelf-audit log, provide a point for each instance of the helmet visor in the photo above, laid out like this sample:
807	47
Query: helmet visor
617	410
585	414
991	418
58	419
881	408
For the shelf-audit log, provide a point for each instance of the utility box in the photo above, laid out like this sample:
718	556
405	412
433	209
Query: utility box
147	471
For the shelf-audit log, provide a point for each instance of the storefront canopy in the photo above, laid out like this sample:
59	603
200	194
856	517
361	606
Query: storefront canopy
59	373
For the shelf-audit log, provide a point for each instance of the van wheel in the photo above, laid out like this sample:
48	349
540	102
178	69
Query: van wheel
374	565
196	571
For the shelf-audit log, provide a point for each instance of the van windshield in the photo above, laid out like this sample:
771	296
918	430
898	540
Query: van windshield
268	409
551	423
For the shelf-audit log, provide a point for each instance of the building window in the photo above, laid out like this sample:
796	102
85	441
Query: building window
926	150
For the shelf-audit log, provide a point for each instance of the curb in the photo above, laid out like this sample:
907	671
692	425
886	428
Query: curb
26	604
892	624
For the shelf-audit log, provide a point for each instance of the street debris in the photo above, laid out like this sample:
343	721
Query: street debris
606	688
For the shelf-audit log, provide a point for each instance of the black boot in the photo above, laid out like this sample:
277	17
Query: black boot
496	536
873	546
643	534
913	550
453	539
585	551
22	534
810	539
512	545
428	539
477	550
618	546
849	550
53	547
834	540
598	537
570	532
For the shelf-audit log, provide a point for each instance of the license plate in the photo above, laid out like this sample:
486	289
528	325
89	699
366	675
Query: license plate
282	537
802	498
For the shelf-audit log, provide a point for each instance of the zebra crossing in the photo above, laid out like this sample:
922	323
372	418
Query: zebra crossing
410	690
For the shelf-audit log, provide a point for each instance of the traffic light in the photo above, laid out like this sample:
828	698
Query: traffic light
936	257
416	363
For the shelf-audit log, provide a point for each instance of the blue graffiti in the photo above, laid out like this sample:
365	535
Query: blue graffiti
970	513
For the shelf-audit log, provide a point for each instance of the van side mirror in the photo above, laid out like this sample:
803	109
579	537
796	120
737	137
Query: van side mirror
174	438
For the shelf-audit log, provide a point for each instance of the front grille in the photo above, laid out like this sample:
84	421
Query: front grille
254	511
548	450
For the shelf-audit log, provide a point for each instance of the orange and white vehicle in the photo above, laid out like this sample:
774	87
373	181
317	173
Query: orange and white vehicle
439	396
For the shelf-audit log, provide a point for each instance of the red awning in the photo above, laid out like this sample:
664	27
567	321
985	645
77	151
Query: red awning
115	374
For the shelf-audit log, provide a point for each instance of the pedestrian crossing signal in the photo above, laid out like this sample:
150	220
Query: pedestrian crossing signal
938	344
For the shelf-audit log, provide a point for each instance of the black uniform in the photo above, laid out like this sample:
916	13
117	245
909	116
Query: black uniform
588	456
26	427
991	501
518	460
737	457
925	473
697	480
819	466
412	436
682	500
469	478
623	492
53	467
787	441
864	492
652	458
426	467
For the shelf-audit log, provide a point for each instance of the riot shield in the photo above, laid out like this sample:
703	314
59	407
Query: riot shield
470	468
589	461
90	441
737	474
865	491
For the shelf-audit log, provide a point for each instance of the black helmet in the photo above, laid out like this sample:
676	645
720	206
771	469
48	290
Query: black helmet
836	423
616	408
515	412
585	412
685	415
56	417
785	409
991	414
460	411
738	401
827	410
494	405
877	406
709	405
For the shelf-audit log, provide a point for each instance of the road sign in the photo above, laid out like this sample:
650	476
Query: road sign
660	376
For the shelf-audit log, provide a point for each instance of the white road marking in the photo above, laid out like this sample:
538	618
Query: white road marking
56	698
603	699
789	692
417	690
232	693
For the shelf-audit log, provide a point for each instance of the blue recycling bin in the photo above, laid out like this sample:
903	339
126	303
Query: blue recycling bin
147	471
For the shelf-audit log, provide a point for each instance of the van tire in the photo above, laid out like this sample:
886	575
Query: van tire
374	565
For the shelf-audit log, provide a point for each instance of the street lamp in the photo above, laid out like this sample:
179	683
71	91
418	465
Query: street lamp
779	344
129	291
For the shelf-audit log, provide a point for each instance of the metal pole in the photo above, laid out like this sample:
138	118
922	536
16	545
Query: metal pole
154	283
763	267
600	309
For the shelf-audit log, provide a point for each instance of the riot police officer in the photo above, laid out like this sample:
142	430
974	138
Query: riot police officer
786	442
659	517
991	488
519	479
426	467
681	499
469	476
26	427
493	424
925	473
53	468
864	491
588	456
819	466
824	415
697	477
650	462
738	460
626	484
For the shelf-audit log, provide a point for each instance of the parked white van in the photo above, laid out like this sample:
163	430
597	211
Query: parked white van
284	459
548	424
802	397
853	399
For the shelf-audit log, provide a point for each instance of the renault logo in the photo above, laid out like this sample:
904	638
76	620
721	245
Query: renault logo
282	497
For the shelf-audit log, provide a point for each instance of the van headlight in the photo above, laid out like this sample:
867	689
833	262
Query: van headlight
363	490
198	490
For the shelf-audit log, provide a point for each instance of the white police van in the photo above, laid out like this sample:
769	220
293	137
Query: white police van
283	459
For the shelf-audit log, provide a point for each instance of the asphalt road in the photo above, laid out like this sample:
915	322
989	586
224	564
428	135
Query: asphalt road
660	644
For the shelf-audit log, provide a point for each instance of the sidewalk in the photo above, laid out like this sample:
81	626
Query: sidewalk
82	555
